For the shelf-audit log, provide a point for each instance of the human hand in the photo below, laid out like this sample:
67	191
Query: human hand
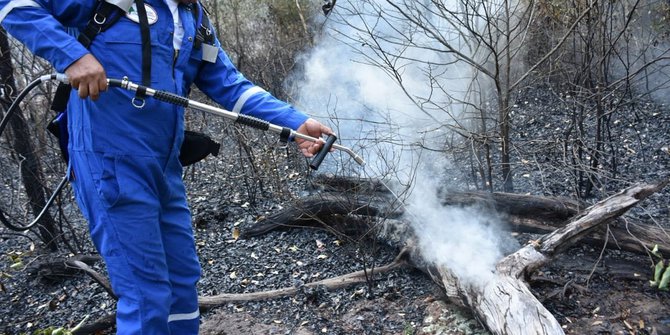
312	128
87	76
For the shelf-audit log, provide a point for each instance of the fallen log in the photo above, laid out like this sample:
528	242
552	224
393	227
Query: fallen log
503	302
553	243
537	214
97	326
57	268
334	283
505	305
541	208
521	213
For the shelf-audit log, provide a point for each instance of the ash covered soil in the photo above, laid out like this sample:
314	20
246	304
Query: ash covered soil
588	289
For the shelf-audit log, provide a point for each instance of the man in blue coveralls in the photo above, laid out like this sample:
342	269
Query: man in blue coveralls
123	159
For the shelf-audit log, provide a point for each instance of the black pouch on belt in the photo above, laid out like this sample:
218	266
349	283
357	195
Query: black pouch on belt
196	146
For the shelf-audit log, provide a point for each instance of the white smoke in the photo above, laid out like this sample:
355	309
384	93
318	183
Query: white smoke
467	241
376	116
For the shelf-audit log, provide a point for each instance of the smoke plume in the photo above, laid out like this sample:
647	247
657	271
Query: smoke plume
348	80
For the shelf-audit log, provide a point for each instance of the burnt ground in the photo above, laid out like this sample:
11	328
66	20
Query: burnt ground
590	290
608	294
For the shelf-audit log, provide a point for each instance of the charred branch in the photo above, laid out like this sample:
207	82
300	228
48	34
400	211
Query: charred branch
340	210
59	267
97	326
309	211
502	301
330	284
100	279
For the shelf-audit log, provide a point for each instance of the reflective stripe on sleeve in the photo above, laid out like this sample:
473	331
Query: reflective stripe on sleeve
15	4
184	316
244	97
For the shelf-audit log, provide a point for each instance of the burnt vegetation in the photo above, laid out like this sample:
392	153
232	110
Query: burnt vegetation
558	134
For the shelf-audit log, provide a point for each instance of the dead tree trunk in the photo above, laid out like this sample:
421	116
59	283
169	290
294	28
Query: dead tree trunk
503	302
506	305
522	213
536	214
21	142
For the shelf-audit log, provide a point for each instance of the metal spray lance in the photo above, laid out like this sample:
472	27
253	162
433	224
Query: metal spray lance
246	120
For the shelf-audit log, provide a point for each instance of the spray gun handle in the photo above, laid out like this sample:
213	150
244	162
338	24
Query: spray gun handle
318	158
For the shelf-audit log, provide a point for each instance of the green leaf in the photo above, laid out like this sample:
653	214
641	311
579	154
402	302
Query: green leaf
46	331
658	271
655	252
665	279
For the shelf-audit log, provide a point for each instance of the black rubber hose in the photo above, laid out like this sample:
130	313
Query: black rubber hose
13	107
51	200
3	124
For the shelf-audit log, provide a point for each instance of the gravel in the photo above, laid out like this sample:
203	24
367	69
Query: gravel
229	192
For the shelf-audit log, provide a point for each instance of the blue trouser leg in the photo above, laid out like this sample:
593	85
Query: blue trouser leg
141	226
182	260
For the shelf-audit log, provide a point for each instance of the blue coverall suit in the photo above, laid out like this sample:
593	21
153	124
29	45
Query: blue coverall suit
127	176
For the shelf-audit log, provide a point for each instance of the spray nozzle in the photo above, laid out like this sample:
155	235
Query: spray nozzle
318	158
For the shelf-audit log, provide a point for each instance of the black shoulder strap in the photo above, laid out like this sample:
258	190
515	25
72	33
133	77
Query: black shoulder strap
104	17
204	33
146	45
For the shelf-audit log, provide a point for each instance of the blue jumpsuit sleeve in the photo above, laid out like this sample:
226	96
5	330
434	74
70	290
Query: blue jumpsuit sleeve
223	83
42	29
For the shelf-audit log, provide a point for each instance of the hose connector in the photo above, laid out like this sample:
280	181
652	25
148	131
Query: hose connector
61	77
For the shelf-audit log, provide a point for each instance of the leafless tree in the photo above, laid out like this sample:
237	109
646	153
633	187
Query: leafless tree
25	155
614	63
603	48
